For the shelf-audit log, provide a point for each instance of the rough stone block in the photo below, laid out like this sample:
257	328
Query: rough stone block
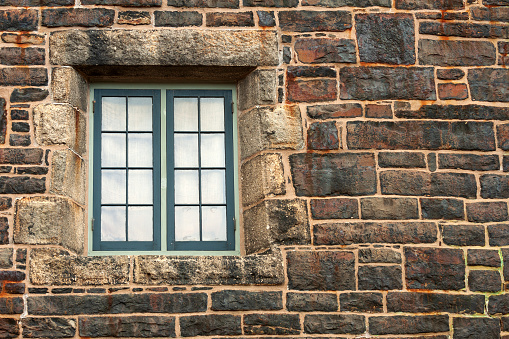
335	208
212	324
434	268
22	56
238	300
463	235
379	255
415	302
450	74
333	111
343	3
9	327
492	211
503	136
275	324
316	51
131	326
21	156
23	76
262	177
426	4
323	136
451	91
179	47
48	327
60	124
333	174
28	94
268	129
401	159
361	302
489	84
85	17
323	270
311	302
50	220
387	83
69	86
276	222
229	19
334	323
380	278
19	20
453	112
6	257
408	324
258	88
178	19
4	230
456	53
466	328
68	175
204	3
260	269
498	234
373	232
386	38
125	3
463	29
490	258
314	90
494	186
378	111
134	18
3	120
449	209
310	21
24	38
389	208
471	162
484	281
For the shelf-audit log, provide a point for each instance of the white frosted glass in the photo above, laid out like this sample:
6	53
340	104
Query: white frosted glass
212	150
113	150
113	223
140	223
140	187
113	113
187	223
213	223
212	114
140	149
139	114
113	186
185	114
186	150
186	187
213	187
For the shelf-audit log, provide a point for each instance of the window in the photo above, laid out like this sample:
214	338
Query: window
163	168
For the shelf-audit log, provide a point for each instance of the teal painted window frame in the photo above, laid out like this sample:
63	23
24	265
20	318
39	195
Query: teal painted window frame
164	243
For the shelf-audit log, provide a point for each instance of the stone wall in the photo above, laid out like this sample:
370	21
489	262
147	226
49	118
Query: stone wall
374	160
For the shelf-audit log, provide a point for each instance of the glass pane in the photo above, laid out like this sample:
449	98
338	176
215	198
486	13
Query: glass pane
140	149
212	150
212	114
113	114
213	223
187	223
140	114
186	114
186	187
213	187
140	187
186	150
113	223
113	186
140	223
113	150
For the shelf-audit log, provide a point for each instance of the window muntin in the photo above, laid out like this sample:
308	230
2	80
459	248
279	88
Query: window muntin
193	136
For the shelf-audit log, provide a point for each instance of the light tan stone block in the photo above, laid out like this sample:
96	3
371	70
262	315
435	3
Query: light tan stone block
68	175
261	177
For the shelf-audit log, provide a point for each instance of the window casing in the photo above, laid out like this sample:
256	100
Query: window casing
190	205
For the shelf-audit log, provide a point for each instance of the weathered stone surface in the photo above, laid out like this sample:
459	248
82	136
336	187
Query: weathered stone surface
334	111
177	19
204	3
57	267
278	324
450	74
456	53
20	126
498	234
258	88
389	208
454	112
22	56
380	278
372	232
24	38
125	3
6	257
132	326
361	302
68	175
490	258
426	4
276	222
48	327
69	86
503	136
449	209
333	174
229	19
408	324
261	177
60	124
466	328
311	90
335	208
378	111
471	162
9	327
309	21
498	304
311	72
4	230
19	20
343	3
164	47
23	76
267	129
50	220
494	186
489	84
323	136
463	235
37	3
310	302
117	303
490	13
134	18
379	255
85	17
463	29
237	300
19	140
386	38
451	91
323	270
401	159
28	94
434	268
266	18
271	3
18	114
3	120
387	83
492	211
260	269
22	185
484	281
334	323
414	302
212	324
315	51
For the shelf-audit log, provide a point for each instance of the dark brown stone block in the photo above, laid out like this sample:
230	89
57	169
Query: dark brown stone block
309	21
204	3
471	162
22	56
456	53
237	300
134	18
389	208
413	302
379	255
323	136
127	326
386	38
9	327
271	3
275	324
316	51
427	4
461	112
3	120
490	13
463	235
18	20
503	136
11	305
387	83
334	323
466	328
379	111
19	140
18	156
85	17
327	270
361	302
448	209
434	268
49	327
22	185
452	91
380	278
4	230
463	29
311	302
300	90
498	234
489	84
214	324
23	76
401	159
408	324
124	3
487	211
178	19
342	3
450	74
335	208
28	94
334	111
484	281
490	258
237	19
494	186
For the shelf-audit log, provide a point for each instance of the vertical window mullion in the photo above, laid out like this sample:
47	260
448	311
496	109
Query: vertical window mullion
127	168
199	169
